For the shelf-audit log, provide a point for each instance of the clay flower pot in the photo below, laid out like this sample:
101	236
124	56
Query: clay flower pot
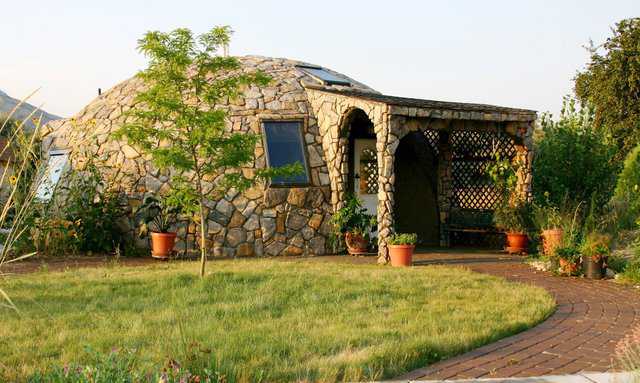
162	244
401	255
593	266
551	239
517	243
356	243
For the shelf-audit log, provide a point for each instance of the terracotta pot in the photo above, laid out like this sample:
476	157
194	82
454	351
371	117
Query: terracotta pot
162	244
401	255
517	243
356	243
551	239
568	267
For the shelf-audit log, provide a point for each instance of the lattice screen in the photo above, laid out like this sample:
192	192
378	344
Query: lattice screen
471	153
433	138
368	172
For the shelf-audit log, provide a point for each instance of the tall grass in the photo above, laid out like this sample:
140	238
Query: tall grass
16	203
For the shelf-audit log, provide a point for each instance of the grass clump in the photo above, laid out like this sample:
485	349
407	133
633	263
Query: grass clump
263	320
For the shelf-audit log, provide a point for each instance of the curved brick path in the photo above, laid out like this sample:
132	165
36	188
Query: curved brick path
591	317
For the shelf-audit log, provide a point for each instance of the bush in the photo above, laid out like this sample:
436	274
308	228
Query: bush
573	160
625	203
403	239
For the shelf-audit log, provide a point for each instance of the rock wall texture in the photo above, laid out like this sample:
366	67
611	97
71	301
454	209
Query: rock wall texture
262	220
292	221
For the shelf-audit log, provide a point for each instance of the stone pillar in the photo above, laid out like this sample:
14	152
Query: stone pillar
523	133
445	187
386	145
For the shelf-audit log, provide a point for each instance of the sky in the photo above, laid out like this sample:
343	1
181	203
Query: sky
510	53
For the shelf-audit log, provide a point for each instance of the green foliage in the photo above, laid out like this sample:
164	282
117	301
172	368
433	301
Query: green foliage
625	203
122	366
573	159
514	217
83	219
568	253
546	217
611	83
596	245
352	217
403	239
159	214
174	121
617	263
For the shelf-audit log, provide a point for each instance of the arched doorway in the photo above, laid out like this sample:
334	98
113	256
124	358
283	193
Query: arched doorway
362	178
416	184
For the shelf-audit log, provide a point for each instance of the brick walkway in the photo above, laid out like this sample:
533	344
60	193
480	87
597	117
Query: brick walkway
591	317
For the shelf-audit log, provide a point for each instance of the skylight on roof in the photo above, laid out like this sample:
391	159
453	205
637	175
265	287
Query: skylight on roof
325	76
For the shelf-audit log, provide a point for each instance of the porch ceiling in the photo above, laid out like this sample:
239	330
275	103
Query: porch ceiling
413	107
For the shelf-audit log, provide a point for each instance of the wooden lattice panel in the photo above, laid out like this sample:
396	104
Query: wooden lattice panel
472	153
368	172
433	138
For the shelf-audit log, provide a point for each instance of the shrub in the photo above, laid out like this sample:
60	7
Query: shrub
353	218
625	203
573	160
403	239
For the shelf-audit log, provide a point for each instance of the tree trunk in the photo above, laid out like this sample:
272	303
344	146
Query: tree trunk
203	236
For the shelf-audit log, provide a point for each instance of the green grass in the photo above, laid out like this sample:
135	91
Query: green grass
263	319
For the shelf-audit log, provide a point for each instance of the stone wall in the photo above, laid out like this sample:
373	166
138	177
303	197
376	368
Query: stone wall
262	220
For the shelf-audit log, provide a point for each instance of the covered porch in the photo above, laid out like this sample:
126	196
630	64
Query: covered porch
419	165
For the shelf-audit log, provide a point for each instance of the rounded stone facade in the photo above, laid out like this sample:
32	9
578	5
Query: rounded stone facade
260	221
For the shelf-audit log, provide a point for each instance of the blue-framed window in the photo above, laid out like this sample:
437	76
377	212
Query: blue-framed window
285	146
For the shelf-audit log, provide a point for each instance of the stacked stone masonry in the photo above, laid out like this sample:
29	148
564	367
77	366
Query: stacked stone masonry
274	221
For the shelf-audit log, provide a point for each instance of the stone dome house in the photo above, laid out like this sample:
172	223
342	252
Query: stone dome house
417	164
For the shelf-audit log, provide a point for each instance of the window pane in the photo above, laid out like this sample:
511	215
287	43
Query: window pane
326	76
284	147
53	172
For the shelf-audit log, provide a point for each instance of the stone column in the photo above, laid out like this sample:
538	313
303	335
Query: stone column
386	145
523	133
445	186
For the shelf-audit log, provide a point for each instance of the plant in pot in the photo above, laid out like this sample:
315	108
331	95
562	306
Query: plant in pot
514	219
568	257
549	222
401	246
595	252
157	217
353	224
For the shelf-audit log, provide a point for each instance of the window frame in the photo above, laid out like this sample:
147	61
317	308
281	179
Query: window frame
305	152
341	82
44	177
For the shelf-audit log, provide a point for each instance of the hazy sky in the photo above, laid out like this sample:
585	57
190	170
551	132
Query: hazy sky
512	53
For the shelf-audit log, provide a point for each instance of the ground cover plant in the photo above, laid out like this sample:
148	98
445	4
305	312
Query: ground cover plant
262	320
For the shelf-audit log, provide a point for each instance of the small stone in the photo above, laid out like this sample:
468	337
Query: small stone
315	221
252	223
280	223
314	157
297	196
213	227
307	233
253	193
317	245
237	219
249	209
292	251
271	213
225	207
274	248
236	236
130	152
268	226
296	221
275	196
324	178
219	217
240	202
297	240
245	250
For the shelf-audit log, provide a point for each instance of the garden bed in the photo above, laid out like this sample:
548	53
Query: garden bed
261	319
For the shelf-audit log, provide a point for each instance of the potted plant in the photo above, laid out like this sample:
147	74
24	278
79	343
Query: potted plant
595	251
157	216
514	219
568	257
353	224
549	222
401	246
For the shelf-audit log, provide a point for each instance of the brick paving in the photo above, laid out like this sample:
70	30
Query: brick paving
591	317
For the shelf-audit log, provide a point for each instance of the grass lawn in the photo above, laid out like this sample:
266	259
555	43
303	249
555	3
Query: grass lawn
263	319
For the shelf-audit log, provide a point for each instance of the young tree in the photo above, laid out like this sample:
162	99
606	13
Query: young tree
177	124
611	84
